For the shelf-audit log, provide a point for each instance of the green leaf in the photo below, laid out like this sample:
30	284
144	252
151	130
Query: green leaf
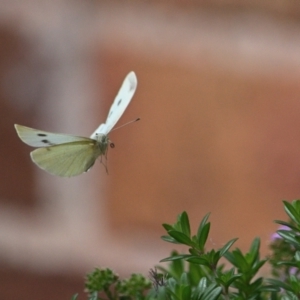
197	260
167	227
196	272
175	267
202	236
94	296
195	252
215	258
232	279
226	247
186	293
280	284
169	239
74	297
212	293
184	279
203	283
287	224
181	238
288	236
256	283
175	257
202	224
237	259
297	256
292	212
204	292
258	265
254	249
185	224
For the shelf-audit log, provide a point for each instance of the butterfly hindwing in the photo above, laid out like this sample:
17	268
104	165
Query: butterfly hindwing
38	138
67	160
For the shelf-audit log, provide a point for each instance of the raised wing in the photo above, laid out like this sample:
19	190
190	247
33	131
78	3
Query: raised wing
39	138
119	105
67	160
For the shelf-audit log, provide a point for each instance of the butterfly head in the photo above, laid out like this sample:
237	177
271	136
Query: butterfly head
102	142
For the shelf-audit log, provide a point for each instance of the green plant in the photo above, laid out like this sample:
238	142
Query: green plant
200	274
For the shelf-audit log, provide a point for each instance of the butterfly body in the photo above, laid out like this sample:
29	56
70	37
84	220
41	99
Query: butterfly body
68	155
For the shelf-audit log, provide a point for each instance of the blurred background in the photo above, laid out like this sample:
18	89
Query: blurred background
218	97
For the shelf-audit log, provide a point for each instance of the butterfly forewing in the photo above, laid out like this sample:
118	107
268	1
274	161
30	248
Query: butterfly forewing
67	160
38	138
119	105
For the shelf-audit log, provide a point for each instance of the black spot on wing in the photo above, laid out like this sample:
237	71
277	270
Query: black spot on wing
47	142
112	111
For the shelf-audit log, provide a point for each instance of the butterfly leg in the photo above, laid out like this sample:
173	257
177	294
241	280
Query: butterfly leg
104	164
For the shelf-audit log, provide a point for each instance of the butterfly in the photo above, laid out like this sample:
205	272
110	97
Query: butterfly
68	155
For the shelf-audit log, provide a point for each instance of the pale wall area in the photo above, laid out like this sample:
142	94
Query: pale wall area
218	97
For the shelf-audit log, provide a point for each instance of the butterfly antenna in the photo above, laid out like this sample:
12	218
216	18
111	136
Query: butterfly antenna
126	124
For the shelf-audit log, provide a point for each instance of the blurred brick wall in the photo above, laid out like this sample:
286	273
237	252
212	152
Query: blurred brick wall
210	139
16	177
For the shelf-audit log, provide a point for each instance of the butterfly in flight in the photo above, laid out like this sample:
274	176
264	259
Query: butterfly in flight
68	155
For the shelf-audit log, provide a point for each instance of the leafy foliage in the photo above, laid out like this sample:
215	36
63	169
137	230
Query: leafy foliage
200	275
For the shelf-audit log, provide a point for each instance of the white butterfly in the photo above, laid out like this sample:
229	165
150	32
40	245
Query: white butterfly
68	155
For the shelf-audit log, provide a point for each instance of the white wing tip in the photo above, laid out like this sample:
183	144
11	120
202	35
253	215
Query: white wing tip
133	80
